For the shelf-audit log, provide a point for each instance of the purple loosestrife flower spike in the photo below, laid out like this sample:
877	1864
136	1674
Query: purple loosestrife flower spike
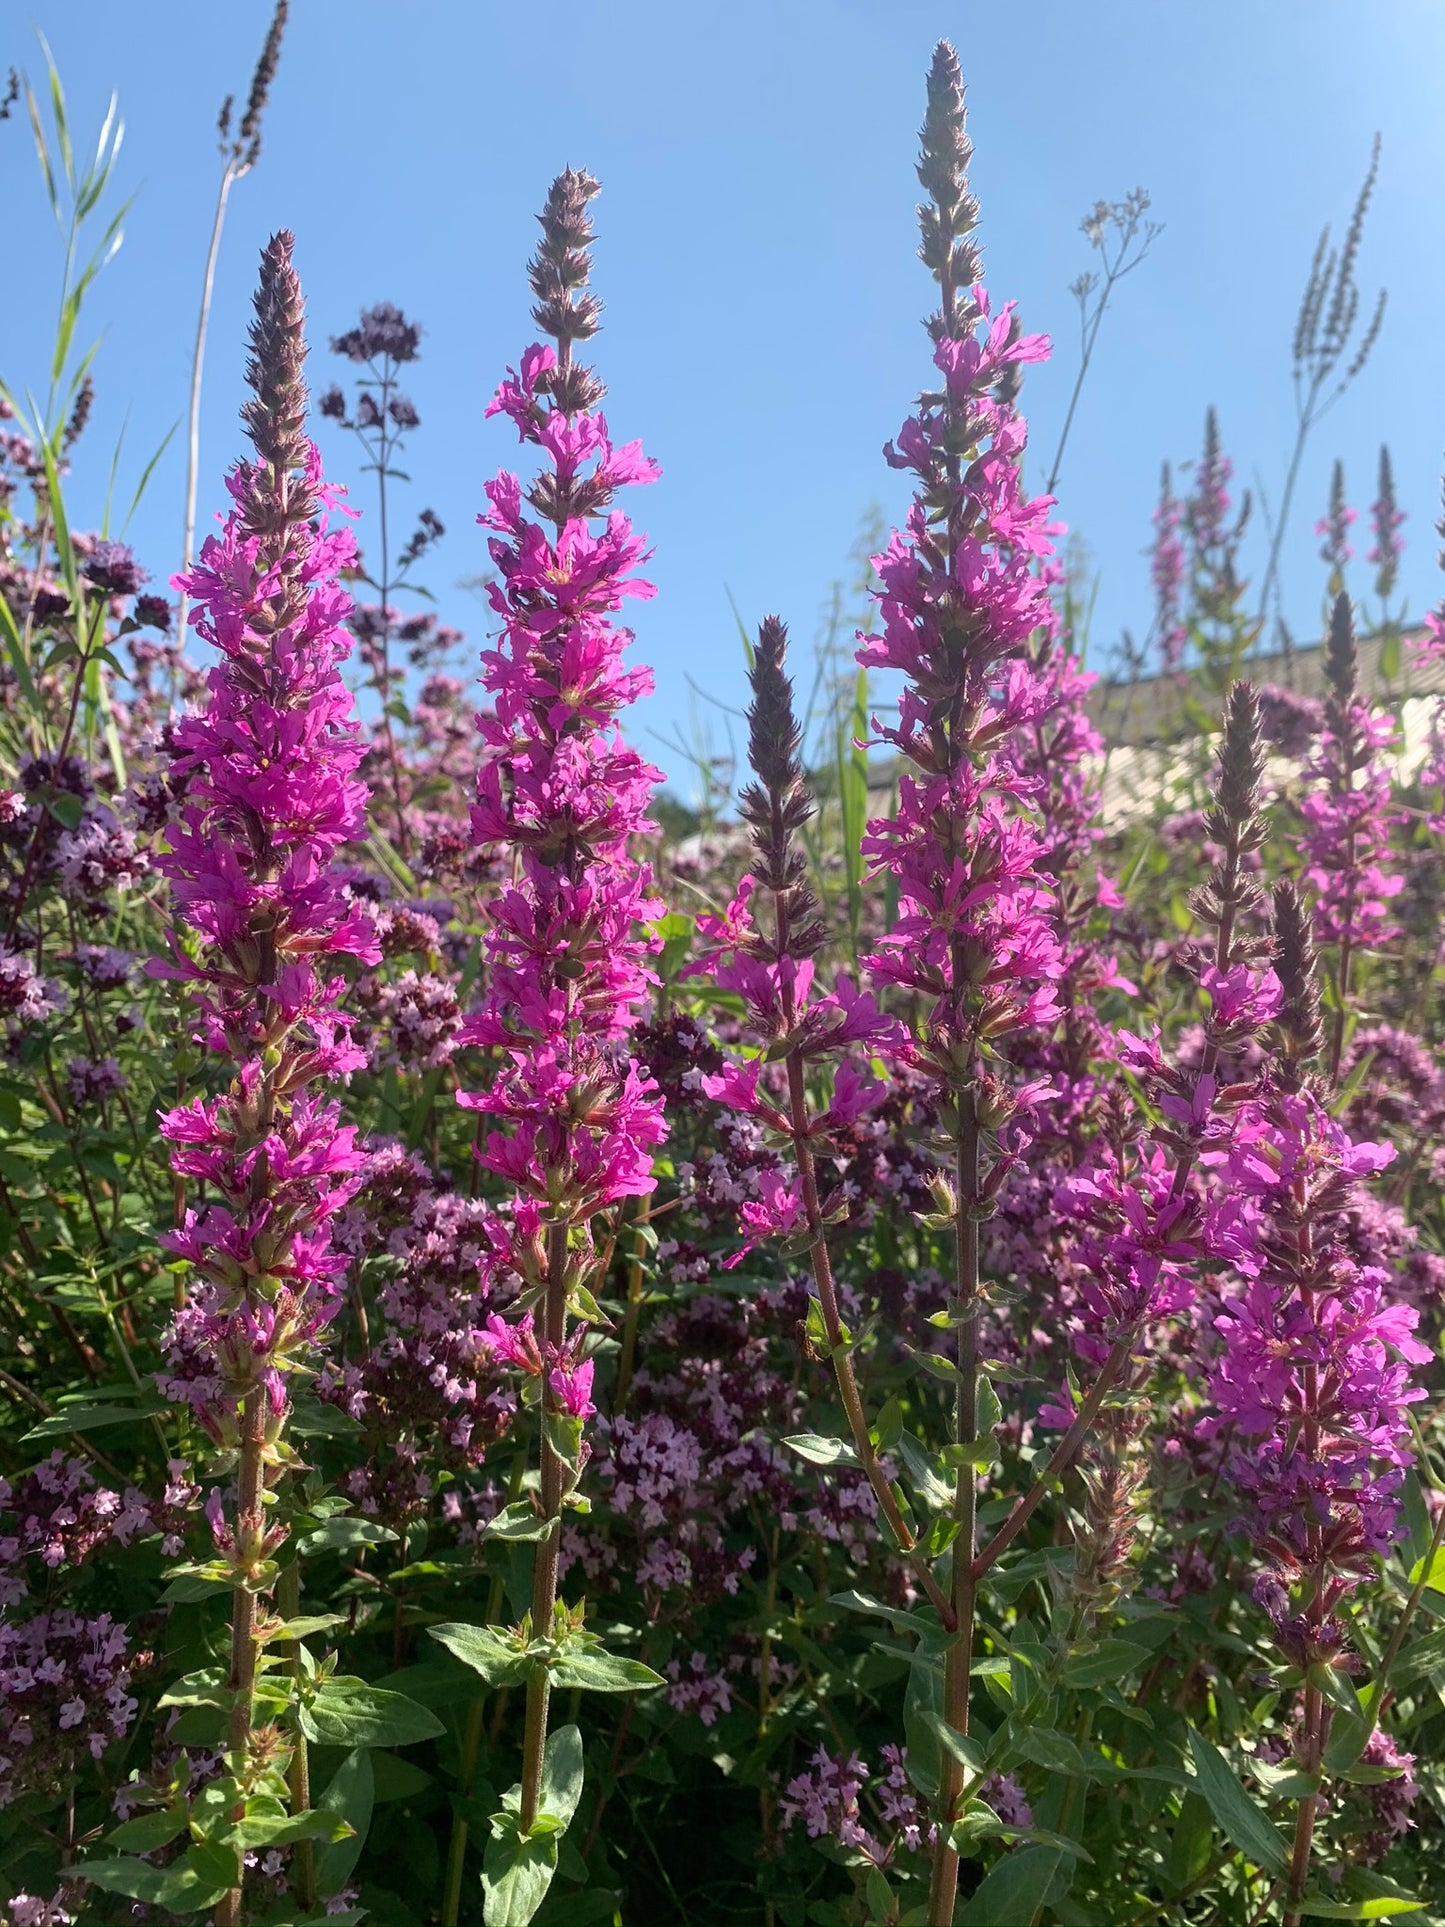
975	943
1334	525
576	1123
764	954
1299	1026
1348	818
272	795
1385	521
1166	570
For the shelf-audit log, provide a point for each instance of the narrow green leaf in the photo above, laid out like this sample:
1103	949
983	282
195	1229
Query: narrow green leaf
349	1794
1234	1811
1110	1660
1013	1893
339	1535
818	1450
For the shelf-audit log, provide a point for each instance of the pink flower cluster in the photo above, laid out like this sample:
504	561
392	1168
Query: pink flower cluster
1347	811
1335	525
575	1122
960	594
1166	572
64	1692
271	797
1312	1384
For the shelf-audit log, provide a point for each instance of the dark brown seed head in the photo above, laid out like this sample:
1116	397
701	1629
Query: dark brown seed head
248	134
1298	1026
1241	764
777	805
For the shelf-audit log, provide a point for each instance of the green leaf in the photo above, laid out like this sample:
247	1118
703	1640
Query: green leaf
564	1435
1013	1894
1055	1752
1433	1573
147	1831
521	1522
349	1794
561	1776
67	808
890	1424
191	1583
205	1688
596	1671
347	1712
90	1418
516	1873
302	1627
922	1706
935	1492
1378	1907
897	1616
194	1882
498	1659
338	1535
966	1751
278	1829
1190	1842
1424	1659
1349	1736
990	1412
818	1450
1234	1811
1110	1660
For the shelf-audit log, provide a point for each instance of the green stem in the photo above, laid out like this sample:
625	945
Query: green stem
298	1774
544	1563
943	1890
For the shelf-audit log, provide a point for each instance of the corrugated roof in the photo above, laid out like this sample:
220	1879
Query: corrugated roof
1155	709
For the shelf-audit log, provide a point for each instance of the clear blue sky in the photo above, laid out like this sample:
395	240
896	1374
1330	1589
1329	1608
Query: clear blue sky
756	254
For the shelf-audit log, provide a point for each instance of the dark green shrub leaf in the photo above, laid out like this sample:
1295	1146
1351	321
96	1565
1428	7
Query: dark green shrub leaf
349	1795
498	1659
516	1873
1234	1811
1014	1892
347	1712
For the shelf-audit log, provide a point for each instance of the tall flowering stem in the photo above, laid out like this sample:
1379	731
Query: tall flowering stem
1348	819
1166	572
1334	526
576	1122
1139	1204
1385	521
1312	1385
769	964
974	941
272	794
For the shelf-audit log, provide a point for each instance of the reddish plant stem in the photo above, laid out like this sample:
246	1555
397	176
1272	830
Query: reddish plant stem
250	1530
958	1662
1060	1458
838	1352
